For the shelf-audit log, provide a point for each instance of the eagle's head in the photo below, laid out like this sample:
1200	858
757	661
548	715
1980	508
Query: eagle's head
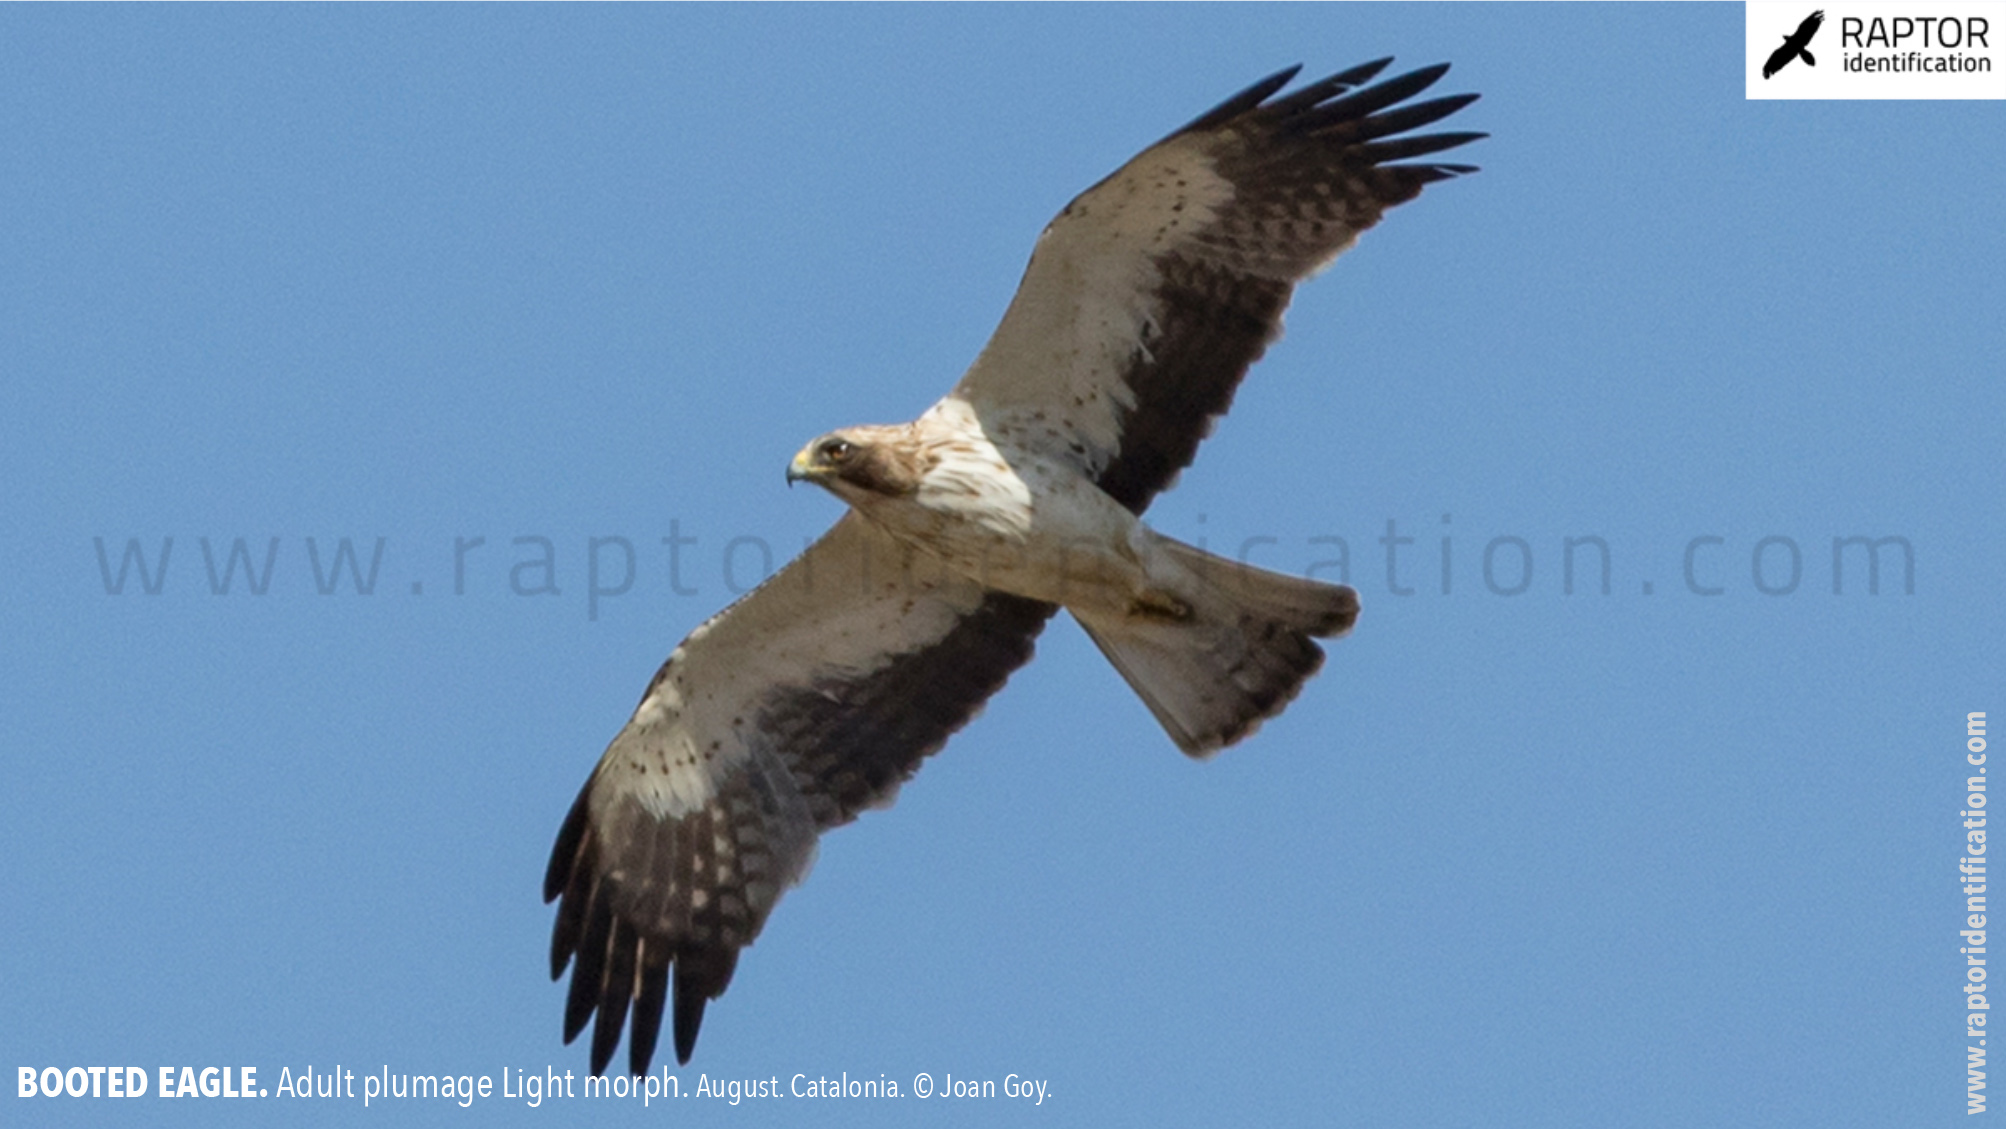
860	464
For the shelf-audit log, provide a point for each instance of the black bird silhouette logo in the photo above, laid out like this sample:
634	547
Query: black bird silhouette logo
1795	44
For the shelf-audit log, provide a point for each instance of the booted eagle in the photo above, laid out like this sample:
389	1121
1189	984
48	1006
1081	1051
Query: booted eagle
1796	45
816	695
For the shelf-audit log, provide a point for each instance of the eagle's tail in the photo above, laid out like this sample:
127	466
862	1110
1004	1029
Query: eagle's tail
1224	650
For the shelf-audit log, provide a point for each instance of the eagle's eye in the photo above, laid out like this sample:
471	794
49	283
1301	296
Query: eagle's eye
837	450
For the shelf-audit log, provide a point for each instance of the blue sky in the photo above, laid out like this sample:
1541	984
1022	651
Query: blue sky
416	276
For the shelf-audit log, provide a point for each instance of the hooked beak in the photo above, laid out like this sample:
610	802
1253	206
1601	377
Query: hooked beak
803	468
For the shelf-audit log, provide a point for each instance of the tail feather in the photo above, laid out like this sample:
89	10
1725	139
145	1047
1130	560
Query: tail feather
1237	658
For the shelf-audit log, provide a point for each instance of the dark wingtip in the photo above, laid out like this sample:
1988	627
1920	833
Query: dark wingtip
1401	87
646	1026
1327	88
564	853
1403	148
1359	105
588	971
1270	84
689	1017
602	1049
563	939
1453	102
1365	72
1429	174
576	1015
614	997
1243	101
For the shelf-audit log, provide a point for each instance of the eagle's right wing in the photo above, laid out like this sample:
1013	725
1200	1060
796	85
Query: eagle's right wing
811	698
1149	296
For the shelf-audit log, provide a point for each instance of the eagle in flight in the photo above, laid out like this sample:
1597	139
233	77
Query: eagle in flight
817	694
1796	43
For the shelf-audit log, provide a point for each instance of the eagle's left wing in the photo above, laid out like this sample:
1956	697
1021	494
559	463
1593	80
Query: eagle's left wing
1149	296
1809	28
811	698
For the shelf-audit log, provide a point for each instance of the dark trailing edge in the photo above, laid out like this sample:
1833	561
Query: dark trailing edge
847	746
1310	172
